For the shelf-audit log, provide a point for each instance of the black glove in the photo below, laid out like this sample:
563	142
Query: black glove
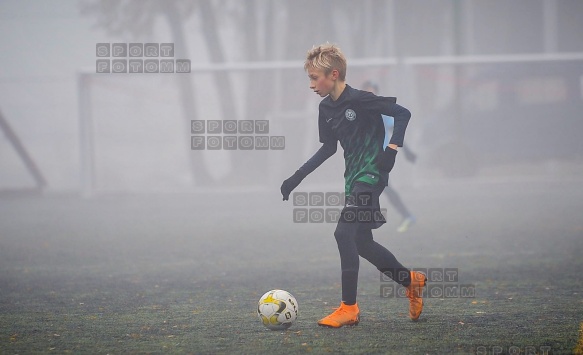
386	160
291	183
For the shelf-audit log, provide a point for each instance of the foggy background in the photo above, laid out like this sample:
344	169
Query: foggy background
495	88
112	229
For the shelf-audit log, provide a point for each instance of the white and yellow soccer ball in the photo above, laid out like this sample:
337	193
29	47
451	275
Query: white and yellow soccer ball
277	309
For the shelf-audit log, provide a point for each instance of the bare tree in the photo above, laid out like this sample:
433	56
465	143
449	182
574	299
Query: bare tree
307	22
137	18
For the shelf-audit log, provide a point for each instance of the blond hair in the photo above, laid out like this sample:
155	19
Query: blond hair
326	57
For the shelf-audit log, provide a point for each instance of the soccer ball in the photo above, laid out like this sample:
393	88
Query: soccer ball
277	309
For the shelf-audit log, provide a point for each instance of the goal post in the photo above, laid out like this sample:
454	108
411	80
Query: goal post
126	118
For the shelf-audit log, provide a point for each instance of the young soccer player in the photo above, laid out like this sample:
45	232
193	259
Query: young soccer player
353	118
390	192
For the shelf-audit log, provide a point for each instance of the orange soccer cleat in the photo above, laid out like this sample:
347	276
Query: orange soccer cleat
343	315
415	292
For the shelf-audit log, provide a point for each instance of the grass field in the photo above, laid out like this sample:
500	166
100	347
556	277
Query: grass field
183	273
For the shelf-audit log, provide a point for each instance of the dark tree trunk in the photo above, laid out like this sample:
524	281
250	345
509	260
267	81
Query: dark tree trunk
187	95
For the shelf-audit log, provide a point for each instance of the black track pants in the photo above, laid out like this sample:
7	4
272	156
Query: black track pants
354	238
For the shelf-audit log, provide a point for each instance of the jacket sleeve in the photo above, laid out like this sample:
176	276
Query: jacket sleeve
380	105
401	116
325	152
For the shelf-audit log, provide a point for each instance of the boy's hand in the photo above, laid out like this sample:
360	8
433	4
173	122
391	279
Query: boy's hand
386	160
291	183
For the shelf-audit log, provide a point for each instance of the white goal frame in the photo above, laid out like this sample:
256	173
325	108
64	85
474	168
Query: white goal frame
405	64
